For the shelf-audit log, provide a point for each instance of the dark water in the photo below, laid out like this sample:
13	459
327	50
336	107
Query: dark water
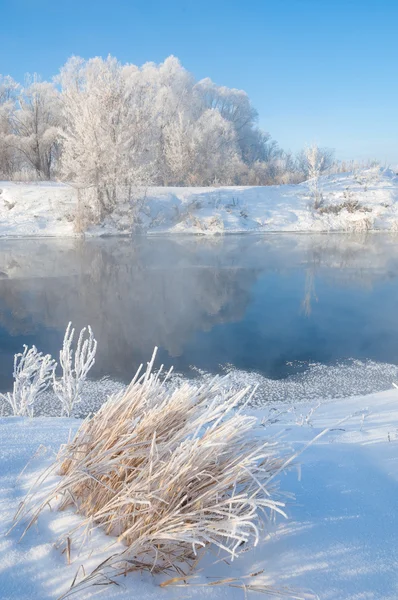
271	303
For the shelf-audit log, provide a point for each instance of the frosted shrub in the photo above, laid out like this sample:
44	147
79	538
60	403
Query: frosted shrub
75	367
313	162
33	373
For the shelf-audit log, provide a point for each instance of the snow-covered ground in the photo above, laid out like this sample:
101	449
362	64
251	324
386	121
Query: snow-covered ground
360	201
36	209
339	540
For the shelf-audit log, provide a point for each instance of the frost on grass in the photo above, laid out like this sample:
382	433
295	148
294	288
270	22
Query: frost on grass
169	473
36	385
75	367
33	373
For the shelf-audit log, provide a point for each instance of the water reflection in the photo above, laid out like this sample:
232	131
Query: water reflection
258	302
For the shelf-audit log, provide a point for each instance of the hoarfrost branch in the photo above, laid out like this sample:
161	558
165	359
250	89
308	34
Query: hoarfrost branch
33	373
75	367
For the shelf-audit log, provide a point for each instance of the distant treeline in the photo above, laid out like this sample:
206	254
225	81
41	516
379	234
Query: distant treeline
108	127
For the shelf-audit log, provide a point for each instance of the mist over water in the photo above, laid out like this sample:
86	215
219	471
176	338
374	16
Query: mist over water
306	315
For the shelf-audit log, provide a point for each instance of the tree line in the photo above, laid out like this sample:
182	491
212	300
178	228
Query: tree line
107	127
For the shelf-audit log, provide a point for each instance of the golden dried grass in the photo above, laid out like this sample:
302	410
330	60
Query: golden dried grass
169	472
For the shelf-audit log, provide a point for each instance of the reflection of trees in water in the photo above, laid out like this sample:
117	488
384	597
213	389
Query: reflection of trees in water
309	292
131	302
147	292
350	261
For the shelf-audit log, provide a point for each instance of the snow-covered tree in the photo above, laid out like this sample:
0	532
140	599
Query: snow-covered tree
172	109
314	161
234	106
34	123
109	128
103	149
8	94
215	149
178	150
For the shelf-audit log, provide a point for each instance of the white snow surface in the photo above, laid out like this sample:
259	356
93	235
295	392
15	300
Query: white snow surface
339	540
36	209
48	209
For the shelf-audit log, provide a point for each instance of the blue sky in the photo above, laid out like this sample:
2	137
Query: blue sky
316	70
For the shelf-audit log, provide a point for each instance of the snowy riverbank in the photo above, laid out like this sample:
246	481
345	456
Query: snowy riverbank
339	540
360	201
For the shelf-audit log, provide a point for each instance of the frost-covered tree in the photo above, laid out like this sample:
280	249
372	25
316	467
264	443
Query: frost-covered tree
34	126
103	149
109	128
215	149
314	161
8	94
172	110
178	151
232	104
255	148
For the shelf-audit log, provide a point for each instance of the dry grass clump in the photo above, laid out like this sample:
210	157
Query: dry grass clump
351	206
169	472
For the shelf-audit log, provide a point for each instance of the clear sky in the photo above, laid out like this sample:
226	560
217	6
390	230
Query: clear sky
316	70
